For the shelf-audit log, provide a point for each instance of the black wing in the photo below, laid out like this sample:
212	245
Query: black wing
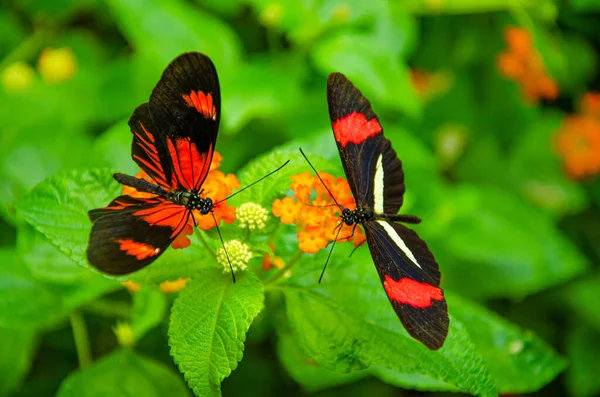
176	131
411	279
131	232
372	167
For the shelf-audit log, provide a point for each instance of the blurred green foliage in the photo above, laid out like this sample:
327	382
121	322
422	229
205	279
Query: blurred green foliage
514	230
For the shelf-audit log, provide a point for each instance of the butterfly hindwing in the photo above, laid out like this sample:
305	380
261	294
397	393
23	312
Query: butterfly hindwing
411	279
372	167
130	233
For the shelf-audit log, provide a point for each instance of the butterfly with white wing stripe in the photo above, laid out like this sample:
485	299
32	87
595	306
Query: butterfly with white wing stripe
407	269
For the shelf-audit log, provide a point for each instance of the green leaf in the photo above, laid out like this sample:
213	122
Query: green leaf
583	351
124	373
16	355
149	307
585	5
376	71
24	301
58	206
208	326
545	183
260	89
46	261
579	293
346	323
500	246
190	29
306	371
517	359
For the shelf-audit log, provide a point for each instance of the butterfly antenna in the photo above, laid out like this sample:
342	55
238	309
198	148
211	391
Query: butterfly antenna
223	244
253	183
318	176
339	227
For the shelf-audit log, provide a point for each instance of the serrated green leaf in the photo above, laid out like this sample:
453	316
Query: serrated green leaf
46	261
124	373
16	355
149	307
346	323
58	206
208	326
376	71
583	351
306	371
517	359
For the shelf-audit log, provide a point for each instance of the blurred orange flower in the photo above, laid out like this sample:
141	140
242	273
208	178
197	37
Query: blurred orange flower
315	212
269	262
578	143
169	287
522	63
217	186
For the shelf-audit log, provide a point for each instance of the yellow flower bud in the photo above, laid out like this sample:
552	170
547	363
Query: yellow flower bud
17	77
57	65
239	255
251	216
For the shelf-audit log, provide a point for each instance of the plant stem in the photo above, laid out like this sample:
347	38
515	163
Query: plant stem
283	271
208	247
109	308
80	336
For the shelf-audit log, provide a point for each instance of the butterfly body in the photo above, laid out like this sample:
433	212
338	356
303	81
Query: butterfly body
406	267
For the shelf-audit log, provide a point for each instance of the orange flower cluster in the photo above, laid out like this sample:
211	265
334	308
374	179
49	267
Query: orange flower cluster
578	140
430	85
217	186
313	209
522	63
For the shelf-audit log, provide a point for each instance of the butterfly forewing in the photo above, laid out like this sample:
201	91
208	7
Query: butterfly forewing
408	270
185	106
133	232
364	150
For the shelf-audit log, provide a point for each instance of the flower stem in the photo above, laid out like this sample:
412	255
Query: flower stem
283	271
80	336
109	308
203	241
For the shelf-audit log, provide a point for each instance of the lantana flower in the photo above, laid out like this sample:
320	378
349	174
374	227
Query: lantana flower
316	213
217	186
521	62
578	143
252	216
239	255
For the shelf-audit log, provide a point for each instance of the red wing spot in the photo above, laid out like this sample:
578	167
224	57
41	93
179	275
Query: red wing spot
354	128
411	292
166	215
139	250
202	102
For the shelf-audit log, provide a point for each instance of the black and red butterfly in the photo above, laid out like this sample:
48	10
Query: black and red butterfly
406	267
174	137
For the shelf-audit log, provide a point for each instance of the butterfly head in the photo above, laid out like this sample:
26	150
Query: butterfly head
359	215
193	201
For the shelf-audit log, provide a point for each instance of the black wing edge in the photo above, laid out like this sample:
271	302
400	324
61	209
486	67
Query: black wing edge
344	98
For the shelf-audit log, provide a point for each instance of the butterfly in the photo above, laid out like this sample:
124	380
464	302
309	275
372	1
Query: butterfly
174	136
407	268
